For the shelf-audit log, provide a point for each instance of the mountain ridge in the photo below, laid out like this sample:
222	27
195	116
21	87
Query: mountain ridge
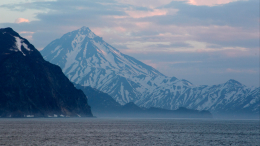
93	62
104	105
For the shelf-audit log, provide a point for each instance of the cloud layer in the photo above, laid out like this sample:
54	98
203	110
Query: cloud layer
21	20
191	39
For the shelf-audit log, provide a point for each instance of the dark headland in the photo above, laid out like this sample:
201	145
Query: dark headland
33	87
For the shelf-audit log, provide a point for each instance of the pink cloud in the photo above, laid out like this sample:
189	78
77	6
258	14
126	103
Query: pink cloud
142	14
21	20
241	52
27	34
145	3
142	24
174	34
119	17
221	33
97	31
120	29
241	71
156	3
108	32
209	2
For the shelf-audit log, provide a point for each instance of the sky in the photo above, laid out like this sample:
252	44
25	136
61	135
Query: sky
206	42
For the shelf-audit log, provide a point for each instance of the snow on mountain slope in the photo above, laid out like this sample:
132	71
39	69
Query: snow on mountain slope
19	44
88	60
228	97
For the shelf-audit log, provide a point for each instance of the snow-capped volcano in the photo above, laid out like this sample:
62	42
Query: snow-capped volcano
83	48
88	60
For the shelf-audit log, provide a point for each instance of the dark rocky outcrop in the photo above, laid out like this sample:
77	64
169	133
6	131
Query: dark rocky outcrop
33	87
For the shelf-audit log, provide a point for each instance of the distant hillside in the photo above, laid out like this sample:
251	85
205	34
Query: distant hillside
103	105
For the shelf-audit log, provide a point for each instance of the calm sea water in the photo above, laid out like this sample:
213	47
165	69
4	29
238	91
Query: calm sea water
129	132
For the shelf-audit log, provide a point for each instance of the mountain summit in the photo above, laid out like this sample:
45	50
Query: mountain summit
83	48
88	60
11	43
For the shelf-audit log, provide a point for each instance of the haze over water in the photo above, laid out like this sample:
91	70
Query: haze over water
101	131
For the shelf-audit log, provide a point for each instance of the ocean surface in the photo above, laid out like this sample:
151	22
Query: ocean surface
98	131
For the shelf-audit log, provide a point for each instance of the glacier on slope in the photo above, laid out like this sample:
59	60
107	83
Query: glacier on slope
86	59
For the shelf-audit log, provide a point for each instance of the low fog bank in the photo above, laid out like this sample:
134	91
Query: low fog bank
103	105
237	116
177	116
148	116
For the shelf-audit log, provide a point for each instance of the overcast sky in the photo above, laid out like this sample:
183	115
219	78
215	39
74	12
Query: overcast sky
203	41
